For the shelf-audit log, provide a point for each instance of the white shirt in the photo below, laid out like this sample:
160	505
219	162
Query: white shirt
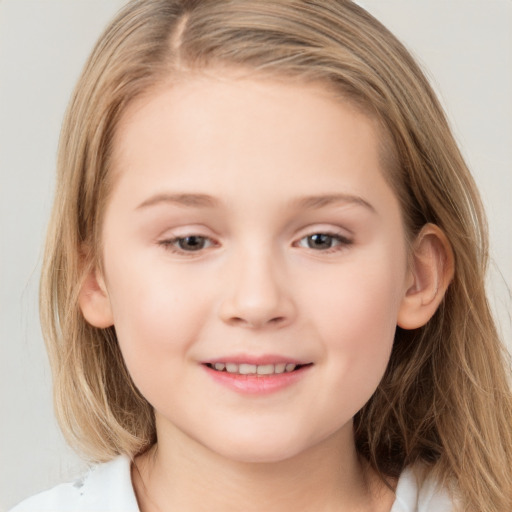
108	488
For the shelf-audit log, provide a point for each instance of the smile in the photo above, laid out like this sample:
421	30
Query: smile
253	369
256	379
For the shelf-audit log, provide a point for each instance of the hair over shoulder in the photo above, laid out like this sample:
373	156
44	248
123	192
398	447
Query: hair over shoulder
445	400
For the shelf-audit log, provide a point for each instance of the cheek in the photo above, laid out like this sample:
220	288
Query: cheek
156	321
362	298
358	321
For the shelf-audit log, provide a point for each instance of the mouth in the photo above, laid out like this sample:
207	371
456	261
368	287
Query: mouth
257	376
263	370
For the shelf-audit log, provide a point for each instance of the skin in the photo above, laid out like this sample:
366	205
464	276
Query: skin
254	169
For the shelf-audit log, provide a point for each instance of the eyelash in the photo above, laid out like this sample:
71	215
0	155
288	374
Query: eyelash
341	241
173	244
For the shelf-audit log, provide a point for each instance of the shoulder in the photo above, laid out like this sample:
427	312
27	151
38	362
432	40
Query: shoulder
106	488
427	496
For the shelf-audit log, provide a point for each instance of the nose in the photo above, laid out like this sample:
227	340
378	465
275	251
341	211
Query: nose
257	293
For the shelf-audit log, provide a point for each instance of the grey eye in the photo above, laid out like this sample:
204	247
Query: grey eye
192	243
324	241
321	241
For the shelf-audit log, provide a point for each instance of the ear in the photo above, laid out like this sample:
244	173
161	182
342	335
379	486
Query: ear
432	268
94	300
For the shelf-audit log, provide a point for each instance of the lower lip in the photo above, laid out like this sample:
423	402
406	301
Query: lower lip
257	384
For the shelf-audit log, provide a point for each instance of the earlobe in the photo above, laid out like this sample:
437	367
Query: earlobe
432	268
94	301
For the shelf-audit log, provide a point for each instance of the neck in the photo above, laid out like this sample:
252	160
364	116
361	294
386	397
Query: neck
180	474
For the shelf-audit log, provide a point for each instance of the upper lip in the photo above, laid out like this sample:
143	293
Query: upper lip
257	360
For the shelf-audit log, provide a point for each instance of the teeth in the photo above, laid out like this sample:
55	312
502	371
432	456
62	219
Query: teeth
280	368
253	369
232	368
247	369
265	369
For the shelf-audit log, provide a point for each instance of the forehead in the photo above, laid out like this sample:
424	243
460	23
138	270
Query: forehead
242	91
223	132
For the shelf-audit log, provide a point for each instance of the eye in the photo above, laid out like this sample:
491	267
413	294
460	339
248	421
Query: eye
323	241
191	243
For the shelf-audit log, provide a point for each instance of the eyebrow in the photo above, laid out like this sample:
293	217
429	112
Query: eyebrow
320	201
191	200
302	203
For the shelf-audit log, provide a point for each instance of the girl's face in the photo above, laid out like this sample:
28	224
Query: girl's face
254	263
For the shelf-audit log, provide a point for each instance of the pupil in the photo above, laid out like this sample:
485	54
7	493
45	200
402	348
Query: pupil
320	241
191	243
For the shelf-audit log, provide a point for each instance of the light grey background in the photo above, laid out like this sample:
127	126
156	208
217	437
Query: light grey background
465	44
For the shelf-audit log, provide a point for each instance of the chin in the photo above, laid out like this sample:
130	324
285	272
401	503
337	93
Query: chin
260	449
261	456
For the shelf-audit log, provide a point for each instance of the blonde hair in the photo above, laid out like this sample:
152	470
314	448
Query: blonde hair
445	401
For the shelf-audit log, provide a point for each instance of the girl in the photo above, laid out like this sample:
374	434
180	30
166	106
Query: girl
264	279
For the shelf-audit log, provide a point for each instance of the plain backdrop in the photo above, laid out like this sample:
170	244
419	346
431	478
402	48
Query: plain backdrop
465	46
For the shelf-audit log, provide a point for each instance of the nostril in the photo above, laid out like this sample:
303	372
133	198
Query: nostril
252	311
256	322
